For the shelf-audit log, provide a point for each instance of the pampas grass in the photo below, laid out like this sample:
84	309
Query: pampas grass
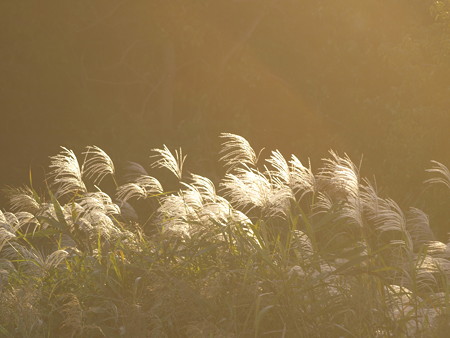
65	176
441	174
278	249
97	164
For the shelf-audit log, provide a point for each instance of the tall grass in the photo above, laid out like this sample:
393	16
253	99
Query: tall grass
275	250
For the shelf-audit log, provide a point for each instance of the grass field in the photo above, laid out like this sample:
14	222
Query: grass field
277	249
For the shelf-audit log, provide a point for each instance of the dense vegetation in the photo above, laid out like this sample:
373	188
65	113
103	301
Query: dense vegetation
279	250
365	77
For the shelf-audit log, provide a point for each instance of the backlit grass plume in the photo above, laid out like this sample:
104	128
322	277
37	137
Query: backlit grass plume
97	164
66	176
442	174
236	151
165	159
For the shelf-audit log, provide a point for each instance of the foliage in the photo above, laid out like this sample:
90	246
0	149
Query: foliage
366	77
277	250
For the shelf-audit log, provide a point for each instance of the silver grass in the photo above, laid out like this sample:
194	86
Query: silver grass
143	187
214	214
390	218
422	276
5	237
72	315
47	210
236	151
302	246
24	218
436	249
340	175
352	210
426	263
165	159
401	305
221	212
301	178
282	173
296	271
69	210
11	252
130	190
279	202
239	217
28	258
326	267
150	184
84	224
175	215
6	266
442	174
404	306
11	220
33	261
66	176
55	258
45	263
7	227
192	198
97	164
443	265
67	243
2	217
102	224
74	209
191	212
22	199
98	201
205	187
248	188
417	224
324	203
369	197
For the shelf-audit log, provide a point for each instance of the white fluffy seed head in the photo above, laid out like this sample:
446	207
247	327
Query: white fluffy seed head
205	187
98	201
248	189
97	164
236	151
66	176
5	236
340	175
301	178
281	173
143	187
130	190
442	174
165	159
22	199
417	224
55	258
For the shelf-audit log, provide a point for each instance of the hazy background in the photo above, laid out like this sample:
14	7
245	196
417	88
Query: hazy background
366	77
